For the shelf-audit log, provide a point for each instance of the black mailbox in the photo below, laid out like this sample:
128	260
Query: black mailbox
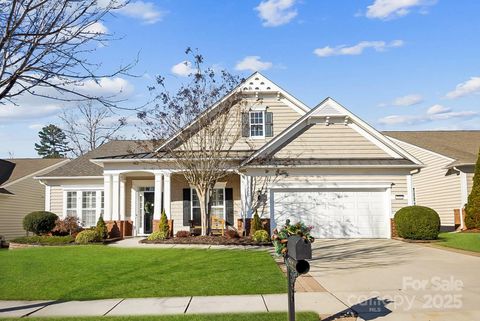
298	248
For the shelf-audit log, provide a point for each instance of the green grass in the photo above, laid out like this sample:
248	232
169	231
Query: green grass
98	272
463	241
302	316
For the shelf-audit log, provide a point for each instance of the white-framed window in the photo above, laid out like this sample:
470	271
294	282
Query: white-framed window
89	208
218	203
71	203
257	124
84	203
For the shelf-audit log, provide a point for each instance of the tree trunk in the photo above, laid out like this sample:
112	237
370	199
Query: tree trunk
203	211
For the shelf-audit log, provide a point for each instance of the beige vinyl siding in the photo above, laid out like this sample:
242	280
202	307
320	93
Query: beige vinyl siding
179	182
398	181
283	116
333	141
56	200
433	188
469	182
29	196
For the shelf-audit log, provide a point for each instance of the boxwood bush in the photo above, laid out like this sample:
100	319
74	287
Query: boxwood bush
44	240
158	235
39	222
87	236
417	223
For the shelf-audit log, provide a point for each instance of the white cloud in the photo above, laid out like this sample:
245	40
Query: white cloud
145	11
468	87
96	28
10	112
36	126
276	12
183	69
435	112
253	63
389	9
408	100
356	49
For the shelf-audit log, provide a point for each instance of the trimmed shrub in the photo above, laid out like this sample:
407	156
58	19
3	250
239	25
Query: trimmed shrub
158	235
87	236
183	234
255	224
101	228
39	222
231	234
261	236
67	226
44	240
163	225
417	223
472	209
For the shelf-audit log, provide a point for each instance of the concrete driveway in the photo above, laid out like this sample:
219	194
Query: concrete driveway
394	280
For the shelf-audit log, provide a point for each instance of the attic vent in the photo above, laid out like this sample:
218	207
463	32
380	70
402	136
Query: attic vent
251	83
257	78
245	88
256	88
268	88
262	83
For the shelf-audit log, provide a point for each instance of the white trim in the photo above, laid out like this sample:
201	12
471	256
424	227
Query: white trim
368	132
167	197
340	185
157	201
410	190
464	195
421	148
82	187
48	193
67	177
333	166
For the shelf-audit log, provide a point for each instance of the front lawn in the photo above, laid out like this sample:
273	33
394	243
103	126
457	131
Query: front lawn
302	316
463	241
98	272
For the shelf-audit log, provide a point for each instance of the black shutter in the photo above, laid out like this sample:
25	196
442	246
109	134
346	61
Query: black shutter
186	206
245	125
229	206
268	124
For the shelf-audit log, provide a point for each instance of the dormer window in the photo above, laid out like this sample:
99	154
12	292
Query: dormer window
257	124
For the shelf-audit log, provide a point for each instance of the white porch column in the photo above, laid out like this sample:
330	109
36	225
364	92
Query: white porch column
48	194
115	197
246	195
166	194
107	190
463	197
157	208
122	199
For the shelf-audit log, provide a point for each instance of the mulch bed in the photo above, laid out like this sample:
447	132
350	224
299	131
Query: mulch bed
472	230
208	240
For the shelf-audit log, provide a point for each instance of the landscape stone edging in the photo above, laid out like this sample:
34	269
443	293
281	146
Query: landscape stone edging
13	246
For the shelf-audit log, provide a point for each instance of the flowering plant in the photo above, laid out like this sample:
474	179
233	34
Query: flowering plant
280	237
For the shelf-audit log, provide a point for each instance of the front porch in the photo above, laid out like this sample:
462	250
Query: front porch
131	199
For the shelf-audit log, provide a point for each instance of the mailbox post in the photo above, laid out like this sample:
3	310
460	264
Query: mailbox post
298	251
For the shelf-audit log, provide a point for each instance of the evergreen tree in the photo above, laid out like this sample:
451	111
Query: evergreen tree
255	224
53	142
472	215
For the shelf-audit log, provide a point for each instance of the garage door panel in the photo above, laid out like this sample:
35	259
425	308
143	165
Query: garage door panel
334	213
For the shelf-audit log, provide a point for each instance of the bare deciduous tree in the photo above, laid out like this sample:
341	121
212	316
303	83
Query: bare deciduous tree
48	44
90	126
203	136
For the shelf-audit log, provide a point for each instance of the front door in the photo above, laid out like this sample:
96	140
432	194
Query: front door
145	217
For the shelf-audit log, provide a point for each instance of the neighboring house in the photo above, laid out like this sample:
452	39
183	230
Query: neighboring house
446	181
21	194
344	177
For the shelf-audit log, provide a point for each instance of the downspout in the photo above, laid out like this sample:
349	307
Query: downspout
463	194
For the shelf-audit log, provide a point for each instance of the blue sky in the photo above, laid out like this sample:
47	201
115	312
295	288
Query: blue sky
398	64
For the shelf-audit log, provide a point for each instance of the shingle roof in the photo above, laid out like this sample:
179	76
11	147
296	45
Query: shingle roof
28	166
461	145
82	166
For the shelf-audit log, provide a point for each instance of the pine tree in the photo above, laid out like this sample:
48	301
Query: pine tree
472	215
255	224
53	142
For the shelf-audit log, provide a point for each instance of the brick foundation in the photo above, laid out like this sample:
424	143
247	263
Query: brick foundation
119	228
393	228
265	224
156	224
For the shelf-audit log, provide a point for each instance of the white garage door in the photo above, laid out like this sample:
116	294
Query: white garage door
334	213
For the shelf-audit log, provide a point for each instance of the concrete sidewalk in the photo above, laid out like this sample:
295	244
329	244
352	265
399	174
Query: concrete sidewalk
323	303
